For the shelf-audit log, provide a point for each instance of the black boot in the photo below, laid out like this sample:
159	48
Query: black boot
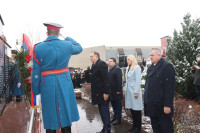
131	130
117	122
136	130
66	129
111	121
18	99
137	121
50	131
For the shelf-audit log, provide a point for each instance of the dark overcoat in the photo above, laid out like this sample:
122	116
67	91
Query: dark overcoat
87	75
115	78
99	82
159	89
197	75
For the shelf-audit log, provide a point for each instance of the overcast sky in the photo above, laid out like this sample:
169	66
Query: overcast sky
97	22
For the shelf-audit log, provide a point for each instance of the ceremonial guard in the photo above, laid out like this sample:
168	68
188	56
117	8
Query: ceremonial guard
17	87
51	78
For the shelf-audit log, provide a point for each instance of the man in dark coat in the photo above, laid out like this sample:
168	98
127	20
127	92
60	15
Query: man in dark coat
196	70
87	74
115	78
100	89
159	93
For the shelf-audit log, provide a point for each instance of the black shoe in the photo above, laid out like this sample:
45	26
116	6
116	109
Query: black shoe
66	129
18	99
136	131
131	130
117	122
50	131
103	131
112	120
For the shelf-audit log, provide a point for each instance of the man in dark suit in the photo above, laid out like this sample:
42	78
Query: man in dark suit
159	93
115	78
100	89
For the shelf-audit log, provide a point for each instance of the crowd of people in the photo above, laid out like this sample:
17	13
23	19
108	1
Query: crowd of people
80	76
55	82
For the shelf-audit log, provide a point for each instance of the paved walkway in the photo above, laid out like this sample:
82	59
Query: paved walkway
90	120
15	118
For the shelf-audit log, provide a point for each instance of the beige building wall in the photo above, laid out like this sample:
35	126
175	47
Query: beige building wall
131	47
82	60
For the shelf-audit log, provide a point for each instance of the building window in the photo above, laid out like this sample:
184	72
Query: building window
138	54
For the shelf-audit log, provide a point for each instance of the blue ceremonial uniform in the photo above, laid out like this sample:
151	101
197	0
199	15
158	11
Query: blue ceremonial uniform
17	87
59	107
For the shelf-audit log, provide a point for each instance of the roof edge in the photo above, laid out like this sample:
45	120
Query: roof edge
5	42
1	20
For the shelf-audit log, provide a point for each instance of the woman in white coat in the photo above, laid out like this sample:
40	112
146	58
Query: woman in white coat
133	97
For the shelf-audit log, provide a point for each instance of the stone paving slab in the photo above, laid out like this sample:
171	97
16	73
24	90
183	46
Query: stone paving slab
15	118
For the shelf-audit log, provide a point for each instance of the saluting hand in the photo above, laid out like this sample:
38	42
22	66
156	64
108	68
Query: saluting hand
167	110
105	96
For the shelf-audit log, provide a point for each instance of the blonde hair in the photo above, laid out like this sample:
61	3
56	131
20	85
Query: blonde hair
133	60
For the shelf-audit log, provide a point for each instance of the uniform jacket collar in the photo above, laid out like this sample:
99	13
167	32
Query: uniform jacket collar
51	38
160	62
